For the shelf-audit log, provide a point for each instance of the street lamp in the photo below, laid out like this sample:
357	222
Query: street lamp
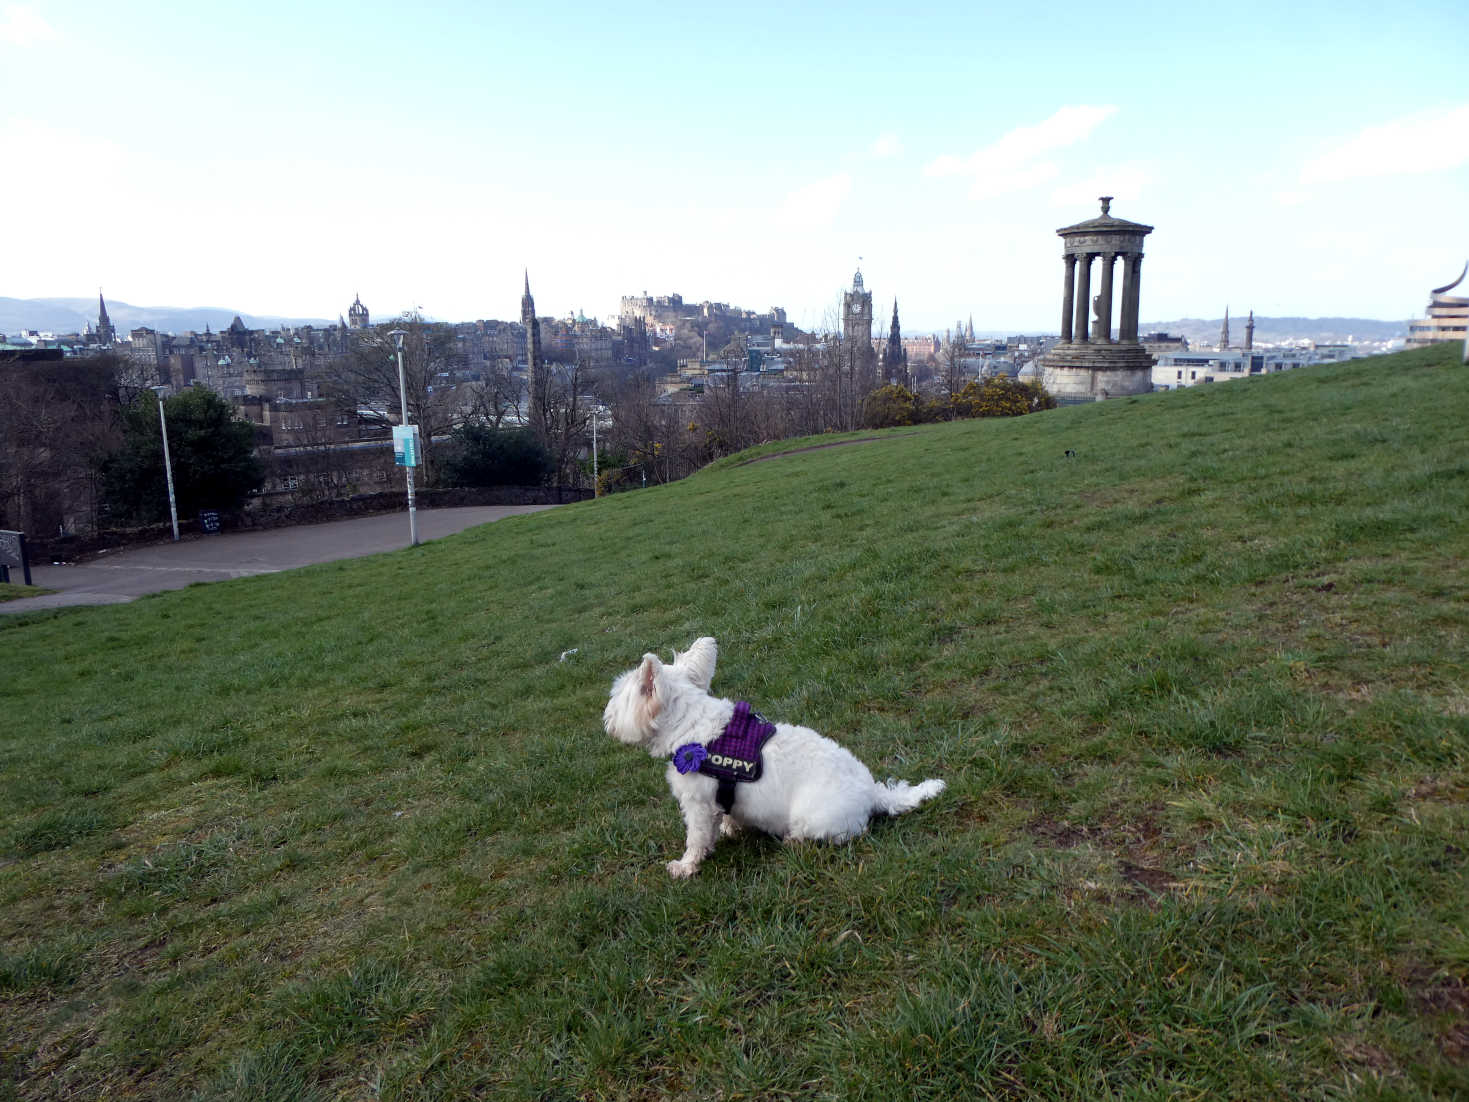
173	509
410	453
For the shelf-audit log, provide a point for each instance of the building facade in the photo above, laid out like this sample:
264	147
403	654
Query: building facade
1448	316
857	314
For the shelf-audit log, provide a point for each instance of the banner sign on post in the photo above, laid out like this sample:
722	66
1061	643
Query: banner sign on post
405	445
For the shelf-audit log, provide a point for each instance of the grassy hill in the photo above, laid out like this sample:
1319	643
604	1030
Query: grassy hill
1199	693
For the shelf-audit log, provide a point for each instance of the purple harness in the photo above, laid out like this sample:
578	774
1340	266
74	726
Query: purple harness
732	757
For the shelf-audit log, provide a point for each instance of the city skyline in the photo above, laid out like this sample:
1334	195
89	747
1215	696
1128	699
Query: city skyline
1297	162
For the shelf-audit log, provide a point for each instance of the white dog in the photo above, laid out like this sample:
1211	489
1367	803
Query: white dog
799	785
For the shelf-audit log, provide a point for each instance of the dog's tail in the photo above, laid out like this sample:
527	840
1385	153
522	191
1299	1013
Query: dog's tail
896	797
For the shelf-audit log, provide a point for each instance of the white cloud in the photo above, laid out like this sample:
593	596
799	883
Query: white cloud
1014	161
887	145
1415	144
23	26
1291	198
1004	180
816	203
1124	182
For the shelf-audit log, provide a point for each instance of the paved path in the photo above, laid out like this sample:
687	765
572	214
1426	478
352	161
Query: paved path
120	576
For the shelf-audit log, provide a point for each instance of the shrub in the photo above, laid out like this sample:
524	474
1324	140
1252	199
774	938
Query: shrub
482	456
211	453
888	406
1001	396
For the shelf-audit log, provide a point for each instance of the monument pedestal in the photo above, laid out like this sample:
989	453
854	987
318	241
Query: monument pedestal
1075	371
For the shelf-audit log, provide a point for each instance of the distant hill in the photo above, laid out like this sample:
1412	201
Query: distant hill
73	315
1277	330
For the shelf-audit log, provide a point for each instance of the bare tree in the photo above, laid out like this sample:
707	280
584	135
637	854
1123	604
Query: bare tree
567	419
951	368
315	461
367	376
725	409
652	432
57	420
838	374
497	401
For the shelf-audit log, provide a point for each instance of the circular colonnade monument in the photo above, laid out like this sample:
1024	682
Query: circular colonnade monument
1088	364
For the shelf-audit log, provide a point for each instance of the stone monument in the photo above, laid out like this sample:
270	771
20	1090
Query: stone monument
1088	364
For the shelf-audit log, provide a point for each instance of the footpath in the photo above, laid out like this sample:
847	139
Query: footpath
124	575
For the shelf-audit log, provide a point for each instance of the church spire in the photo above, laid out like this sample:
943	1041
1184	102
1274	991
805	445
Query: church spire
894	359
1224	331
105	332
535	373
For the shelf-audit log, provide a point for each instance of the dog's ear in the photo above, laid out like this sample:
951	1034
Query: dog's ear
698	661
648	674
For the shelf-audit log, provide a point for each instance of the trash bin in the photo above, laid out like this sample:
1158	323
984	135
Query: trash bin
13	552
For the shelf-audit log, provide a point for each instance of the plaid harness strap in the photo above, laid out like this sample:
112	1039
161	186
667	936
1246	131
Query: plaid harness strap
733	757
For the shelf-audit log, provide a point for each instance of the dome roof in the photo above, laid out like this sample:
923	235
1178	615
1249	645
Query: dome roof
1451	286
1105	223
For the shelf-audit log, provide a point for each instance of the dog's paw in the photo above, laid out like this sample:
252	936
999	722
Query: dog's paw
728	828
682	870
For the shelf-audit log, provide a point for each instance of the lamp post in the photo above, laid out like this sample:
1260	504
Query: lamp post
398	335
173	509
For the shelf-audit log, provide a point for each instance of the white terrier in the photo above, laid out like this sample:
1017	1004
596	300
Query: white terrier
799	785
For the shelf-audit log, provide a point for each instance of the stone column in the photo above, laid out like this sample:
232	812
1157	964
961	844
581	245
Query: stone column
1068	297
1083	299
1123	332
1131	298
1105	334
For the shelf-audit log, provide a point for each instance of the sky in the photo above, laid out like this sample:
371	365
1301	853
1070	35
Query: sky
278	158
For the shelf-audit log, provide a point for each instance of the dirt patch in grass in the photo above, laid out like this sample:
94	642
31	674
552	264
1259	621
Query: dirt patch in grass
819	447
1454	1043
1136	832
1441	996
1434	790
1059	832
1133	841
1107	497
1354	1050
1148	877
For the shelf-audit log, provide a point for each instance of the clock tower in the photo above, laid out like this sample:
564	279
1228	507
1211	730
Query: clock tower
857	314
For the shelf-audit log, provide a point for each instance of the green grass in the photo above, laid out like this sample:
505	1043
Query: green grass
10	591
1200	694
